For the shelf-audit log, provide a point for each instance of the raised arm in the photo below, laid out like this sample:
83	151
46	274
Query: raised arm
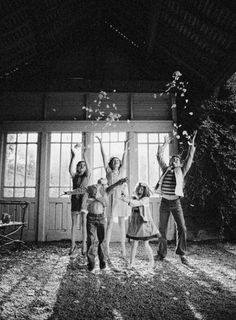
136	202
191	151
124	157
72	165
103	153
160	152
118	183
85	158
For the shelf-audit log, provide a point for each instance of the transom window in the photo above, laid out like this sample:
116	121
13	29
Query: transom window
20	165
60	156
113	145
149	170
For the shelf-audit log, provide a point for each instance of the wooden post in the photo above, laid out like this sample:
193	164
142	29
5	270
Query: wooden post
43	187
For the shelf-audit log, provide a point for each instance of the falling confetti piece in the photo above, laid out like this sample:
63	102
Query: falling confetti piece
54	109
173	106
154	95
190	113
186	100
177	136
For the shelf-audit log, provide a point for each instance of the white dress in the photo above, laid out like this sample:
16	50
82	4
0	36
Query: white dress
117	207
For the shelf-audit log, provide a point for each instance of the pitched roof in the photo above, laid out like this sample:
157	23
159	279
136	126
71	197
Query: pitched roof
157	36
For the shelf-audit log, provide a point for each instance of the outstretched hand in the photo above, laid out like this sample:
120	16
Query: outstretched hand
168	139
194	137
99	139
123	180
75	148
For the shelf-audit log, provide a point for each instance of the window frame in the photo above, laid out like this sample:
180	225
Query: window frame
3	164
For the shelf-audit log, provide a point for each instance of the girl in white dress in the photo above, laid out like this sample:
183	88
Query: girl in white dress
115	170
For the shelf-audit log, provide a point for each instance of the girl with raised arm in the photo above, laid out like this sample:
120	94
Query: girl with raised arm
80	178
115	170
141	225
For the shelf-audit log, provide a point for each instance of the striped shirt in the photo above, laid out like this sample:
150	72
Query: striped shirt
169	183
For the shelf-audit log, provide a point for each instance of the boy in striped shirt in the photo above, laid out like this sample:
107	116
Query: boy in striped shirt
170	186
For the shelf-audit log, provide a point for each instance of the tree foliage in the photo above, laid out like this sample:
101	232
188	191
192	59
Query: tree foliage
211	185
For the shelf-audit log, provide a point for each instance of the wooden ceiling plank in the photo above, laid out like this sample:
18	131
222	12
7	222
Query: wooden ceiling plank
153	25
181	10
201	41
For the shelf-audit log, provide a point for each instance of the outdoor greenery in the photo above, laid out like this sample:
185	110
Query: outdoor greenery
211	184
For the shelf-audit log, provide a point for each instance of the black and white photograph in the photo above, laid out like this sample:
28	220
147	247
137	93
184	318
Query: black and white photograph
117	160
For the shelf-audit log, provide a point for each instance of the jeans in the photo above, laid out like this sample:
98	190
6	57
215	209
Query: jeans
174	207
96	227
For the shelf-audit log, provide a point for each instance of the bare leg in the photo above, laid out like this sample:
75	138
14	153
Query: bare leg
84	232
121	221
74	219
108	233
149	253
133	251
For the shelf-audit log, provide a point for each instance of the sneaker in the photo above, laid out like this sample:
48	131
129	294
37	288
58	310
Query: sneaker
102	265
90	267
158	257
73	252
184	260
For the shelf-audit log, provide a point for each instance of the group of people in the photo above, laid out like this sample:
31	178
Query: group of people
100	203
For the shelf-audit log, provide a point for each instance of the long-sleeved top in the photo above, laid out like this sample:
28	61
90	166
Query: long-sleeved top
179	172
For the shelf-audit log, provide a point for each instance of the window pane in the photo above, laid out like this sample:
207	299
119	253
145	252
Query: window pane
153	166
8	192
117	150
19	192
31	165
97	134
153	138
54	192
10	165
142	137
105	136
142	156
30	192
55	165
97	174
66	137
65	160
11	137
22	137
55	137
32	137
114	136
20	164
76	137
98	162
122	136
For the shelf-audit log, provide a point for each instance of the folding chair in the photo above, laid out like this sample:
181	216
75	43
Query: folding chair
12	231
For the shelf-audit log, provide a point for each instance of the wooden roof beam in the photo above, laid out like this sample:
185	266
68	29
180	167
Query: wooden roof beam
180	10
195	36
155	11
186	65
